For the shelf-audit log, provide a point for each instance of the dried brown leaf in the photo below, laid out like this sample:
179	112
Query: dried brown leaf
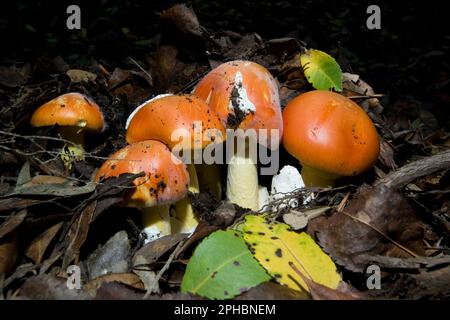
9	247
184	18
48	287
321	292
117	291
24	174
58	190
12	222
38	246
203	230
18	203
378	212
273	291
129	279
77	234
152	251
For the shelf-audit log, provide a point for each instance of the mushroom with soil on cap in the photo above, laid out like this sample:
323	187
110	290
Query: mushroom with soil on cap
187	126
74	114
330	135
166	181
245	96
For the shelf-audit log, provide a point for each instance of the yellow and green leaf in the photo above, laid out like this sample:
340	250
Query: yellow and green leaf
321	70
276	247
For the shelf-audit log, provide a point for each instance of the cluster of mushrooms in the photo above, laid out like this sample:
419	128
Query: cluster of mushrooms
328	133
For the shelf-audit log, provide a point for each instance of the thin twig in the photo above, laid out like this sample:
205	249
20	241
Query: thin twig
155	281
142	69
367	97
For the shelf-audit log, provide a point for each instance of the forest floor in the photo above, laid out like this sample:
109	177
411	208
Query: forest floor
397	215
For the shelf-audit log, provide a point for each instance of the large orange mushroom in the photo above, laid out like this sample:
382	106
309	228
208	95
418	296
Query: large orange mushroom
166	181
330	135
187	125
245	96
74	114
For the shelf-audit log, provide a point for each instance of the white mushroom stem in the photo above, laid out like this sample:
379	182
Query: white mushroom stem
242	177
242	182
185	220
156	221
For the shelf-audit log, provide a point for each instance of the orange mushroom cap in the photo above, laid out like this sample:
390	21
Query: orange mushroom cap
244	95
329	132
70	109
160	117
166	178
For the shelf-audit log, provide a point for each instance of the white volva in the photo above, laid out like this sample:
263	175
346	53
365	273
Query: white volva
288	180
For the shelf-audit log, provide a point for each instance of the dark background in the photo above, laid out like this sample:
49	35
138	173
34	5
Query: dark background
407	59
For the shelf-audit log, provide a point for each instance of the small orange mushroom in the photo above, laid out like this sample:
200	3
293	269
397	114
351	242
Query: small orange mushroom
330	135
166	181
74	113
245	96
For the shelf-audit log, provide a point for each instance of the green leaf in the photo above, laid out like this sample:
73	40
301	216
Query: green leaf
222	267
277	248
321	70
